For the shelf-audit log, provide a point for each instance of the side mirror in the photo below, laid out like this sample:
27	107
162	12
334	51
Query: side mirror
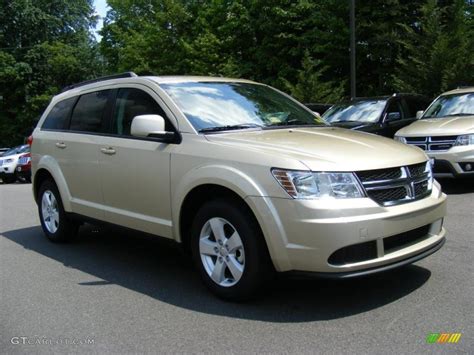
151	126
419	114
393	116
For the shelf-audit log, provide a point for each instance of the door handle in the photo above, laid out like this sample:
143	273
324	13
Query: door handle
108	150
61	145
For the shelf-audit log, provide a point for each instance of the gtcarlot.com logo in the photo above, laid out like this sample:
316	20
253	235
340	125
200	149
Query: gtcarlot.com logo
36	340
441	338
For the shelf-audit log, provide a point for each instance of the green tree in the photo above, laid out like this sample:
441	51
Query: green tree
439	49
44	46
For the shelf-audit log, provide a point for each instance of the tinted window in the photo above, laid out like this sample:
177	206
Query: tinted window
131	103
395	107
415	104
89	111
58	117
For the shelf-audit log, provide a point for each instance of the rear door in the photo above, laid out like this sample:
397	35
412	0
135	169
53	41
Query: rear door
80	146
135	172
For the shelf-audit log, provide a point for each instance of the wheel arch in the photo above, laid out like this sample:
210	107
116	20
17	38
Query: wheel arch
49	169
197	197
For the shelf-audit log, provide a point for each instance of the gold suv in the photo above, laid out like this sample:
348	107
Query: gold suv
446	133
242	175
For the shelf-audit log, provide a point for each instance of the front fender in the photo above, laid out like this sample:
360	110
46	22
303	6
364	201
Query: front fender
249	190
225	176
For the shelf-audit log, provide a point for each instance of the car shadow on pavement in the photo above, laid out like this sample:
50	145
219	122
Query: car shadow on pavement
153	267
458	186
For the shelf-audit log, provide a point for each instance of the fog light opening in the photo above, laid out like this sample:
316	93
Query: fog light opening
467	166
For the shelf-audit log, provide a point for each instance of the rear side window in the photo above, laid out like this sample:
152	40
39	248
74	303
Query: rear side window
58	117
88	113
130	103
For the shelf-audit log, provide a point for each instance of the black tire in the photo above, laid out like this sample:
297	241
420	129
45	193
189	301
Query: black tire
9	179
258	269
66	228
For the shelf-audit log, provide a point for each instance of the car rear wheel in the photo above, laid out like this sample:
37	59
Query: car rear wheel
54	221
229	250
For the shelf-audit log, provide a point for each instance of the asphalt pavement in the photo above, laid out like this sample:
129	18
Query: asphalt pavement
116	291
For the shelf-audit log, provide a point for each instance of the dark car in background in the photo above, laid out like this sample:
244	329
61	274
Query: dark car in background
383	115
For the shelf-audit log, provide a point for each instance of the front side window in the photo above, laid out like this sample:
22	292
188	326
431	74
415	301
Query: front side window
413	105
394	110
58	117
131	103
89	112
451	105
364	111
232	105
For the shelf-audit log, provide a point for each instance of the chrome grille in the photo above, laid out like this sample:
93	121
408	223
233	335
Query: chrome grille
432	144
393	186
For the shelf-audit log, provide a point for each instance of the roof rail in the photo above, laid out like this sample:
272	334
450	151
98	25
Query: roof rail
129	74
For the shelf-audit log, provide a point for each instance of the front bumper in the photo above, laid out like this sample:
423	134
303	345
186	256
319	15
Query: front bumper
7	169
304	235
452	162
375	270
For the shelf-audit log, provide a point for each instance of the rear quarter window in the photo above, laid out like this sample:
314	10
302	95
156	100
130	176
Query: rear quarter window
58	117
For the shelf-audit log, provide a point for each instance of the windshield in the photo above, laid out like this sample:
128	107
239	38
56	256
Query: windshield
17	150
367	111
232	105
451	105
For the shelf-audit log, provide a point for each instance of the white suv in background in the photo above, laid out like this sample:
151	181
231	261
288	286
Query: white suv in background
9	162
445	132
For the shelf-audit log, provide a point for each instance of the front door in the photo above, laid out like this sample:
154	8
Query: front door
135	173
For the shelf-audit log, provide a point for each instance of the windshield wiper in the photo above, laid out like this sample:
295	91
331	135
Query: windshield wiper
295	122
351	121
230	127
450	115
459	114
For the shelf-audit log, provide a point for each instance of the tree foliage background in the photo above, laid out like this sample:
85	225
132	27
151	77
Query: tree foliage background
299	46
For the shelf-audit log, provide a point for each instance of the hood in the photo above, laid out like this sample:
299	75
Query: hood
12	156
439	127
325	148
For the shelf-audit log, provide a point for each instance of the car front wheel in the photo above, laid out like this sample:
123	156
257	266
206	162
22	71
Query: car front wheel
229	250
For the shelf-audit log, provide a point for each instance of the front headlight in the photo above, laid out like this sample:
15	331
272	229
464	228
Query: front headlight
467	139
400	139
8	160
309	185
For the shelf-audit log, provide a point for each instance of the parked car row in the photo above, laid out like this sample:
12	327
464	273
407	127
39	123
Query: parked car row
15	164
445	131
